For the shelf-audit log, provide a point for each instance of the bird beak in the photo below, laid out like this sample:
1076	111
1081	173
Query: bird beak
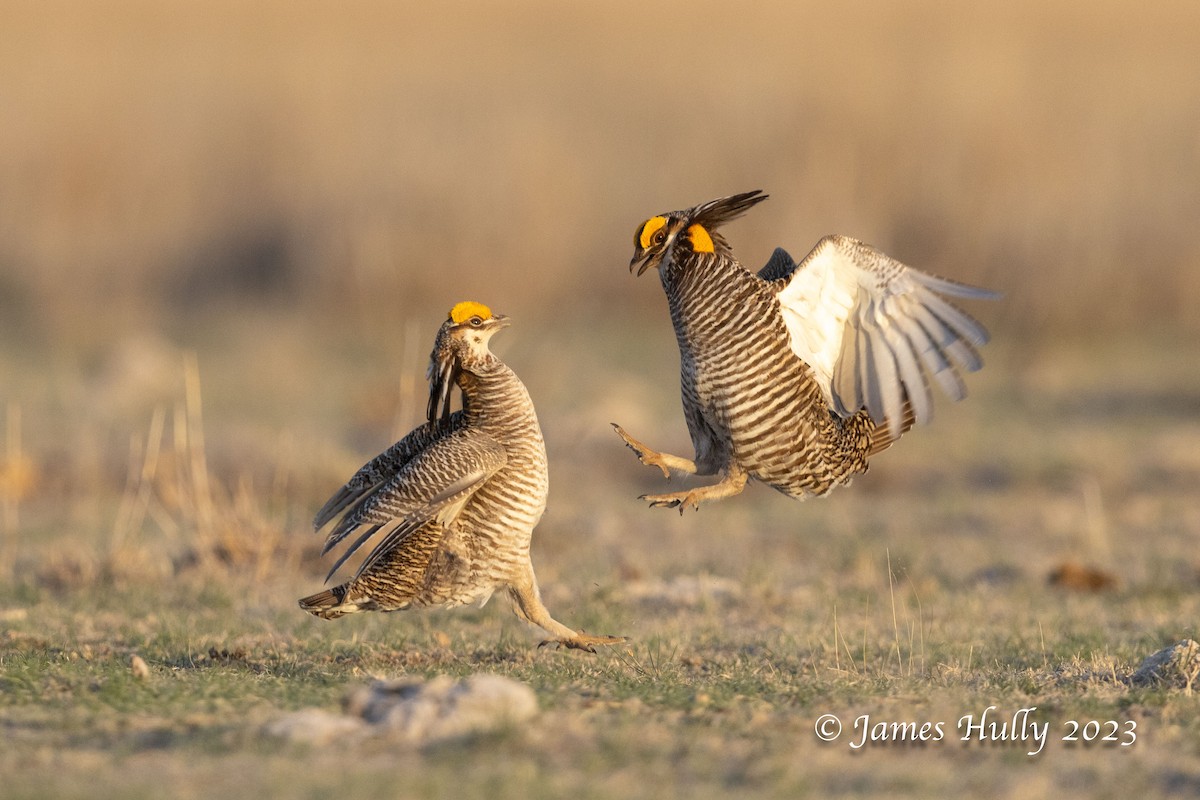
642	256
500	321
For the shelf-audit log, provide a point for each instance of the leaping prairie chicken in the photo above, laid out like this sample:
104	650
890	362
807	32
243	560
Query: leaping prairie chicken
798	374
452	505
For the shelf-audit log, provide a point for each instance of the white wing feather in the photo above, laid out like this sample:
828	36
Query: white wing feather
872	329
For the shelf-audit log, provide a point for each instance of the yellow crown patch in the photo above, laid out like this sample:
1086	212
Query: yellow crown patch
649	228
468	308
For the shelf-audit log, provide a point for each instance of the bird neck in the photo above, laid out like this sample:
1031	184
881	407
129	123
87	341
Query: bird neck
494	399
698	285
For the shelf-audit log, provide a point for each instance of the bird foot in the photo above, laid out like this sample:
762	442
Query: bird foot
733	483
583	641
680	500
650	458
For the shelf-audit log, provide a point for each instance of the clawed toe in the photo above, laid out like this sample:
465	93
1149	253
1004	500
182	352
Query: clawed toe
645	455
733	483
583	641
680	500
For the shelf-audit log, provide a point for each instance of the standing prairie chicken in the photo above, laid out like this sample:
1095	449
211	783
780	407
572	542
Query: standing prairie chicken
452	505
796	375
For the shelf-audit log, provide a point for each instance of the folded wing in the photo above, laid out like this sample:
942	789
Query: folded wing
874	330
431	485
381	468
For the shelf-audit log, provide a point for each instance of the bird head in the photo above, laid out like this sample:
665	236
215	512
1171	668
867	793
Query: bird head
693	230
461	345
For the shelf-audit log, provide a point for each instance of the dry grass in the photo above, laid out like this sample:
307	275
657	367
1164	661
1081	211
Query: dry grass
161	153
224	239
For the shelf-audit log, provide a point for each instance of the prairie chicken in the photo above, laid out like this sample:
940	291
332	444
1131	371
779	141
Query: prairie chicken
798	374
453	504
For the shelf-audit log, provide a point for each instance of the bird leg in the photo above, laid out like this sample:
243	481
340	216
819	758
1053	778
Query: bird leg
652	458
527	604
733	483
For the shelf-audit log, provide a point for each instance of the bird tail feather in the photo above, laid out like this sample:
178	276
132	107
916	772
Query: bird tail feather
329	604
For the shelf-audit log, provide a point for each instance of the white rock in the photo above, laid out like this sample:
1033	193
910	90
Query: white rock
443	708
316	727
1177	665
421	712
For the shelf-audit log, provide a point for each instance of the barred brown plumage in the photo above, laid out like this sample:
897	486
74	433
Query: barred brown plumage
796	375
451	506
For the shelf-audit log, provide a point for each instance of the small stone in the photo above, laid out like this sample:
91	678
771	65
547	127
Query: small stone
141	670
1177	666
316	727
1081	578
443	708
416	711
373	702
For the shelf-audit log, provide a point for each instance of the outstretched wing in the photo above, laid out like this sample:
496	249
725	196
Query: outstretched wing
433	484
872	329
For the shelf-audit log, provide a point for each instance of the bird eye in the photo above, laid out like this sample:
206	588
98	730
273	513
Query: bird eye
660	236
476	322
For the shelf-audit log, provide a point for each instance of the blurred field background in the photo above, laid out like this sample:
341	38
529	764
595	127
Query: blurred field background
228	232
